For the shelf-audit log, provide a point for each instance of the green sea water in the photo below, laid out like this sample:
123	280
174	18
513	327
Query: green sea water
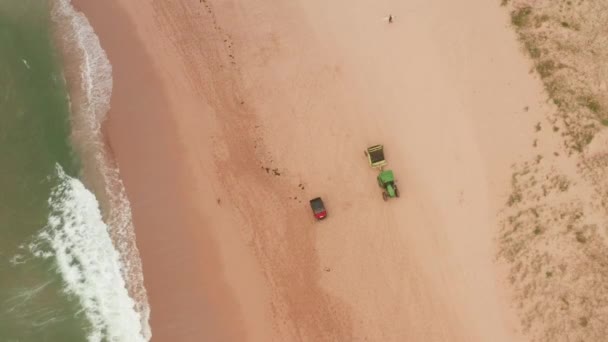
34	138
60	276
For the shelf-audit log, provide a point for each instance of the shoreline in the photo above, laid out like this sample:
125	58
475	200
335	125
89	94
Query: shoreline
183	303
88	76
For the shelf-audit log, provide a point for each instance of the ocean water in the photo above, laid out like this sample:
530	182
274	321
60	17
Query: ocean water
69	268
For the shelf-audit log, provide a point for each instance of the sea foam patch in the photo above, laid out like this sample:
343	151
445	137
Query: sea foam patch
79	241
89	110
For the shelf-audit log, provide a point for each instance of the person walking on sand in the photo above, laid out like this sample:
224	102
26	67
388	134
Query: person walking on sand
390	18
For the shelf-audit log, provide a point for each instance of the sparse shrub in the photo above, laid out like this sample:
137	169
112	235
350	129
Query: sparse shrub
514	199
521	17
580	237
539	20
545	68
590	103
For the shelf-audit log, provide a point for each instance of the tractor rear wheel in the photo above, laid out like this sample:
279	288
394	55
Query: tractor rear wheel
384	196
396	192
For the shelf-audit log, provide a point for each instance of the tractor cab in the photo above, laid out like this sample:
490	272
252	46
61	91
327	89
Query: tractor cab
386	180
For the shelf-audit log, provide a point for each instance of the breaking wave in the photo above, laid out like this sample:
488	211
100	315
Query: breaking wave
90	83
80	243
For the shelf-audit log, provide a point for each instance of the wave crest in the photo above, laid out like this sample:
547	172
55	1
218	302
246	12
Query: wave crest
90	102
79	240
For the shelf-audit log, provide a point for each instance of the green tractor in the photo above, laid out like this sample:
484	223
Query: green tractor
386	178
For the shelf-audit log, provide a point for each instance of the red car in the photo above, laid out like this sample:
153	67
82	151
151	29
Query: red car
318	208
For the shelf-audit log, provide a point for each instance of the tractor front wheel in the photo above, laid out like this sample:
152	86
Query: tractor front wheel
365	152
384	196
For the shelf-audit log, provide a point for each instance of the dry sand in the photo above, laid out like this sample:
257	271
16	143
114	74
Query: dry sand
228	116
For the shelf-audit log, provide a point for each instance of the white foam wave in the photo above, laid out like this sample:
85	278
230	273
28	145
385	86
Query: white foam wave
17	259
80	242
96	70
95	84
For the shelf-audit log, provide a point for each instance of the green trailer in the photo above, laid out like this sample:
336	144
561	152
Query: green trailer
386	178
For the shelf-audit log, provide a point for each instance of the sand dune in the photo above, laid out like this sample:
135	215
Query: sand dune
228	116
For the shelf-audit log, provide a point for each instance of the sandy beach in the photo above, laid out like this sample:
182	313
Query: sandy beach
228	116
